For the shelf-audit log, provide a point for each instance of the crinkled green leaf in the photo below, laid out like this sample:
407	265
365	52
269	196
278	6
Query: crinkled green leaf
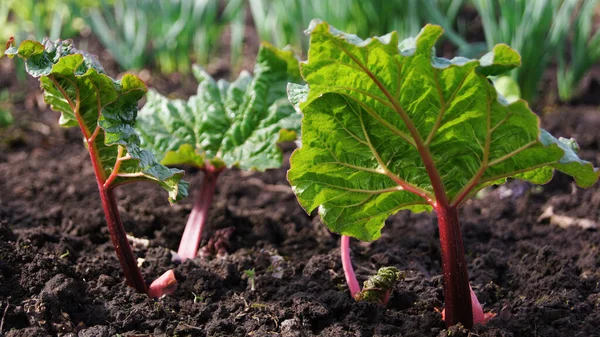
369	105
74	84
227	124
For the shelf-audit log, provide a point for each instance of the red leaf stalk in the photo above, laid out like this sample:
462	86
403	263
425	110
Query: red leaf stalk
118	236
457	294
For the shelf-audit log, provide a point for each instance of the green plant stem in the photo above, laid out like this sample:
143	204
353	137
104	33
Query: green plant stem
457	295
192	234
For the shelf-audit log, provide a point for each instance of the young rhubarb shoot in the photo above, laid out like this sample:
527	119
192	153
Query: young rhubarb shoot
251	275
389	126
225	125
104	109
379	286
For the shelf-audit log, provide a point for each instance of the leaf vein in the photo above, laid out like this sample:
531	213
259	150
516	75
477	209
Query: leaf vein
438	121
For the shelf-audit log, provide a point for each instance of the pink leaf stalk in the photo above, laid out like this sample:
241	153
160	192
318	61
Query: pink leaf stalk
192	234
347	265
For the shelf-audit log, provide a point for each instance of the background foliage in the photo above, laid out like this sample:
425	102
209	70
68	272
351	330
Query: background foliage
172	35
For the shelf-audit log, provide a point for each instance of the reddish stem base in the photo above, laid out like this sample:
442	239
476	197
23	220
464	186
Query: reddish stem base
457	293
118	236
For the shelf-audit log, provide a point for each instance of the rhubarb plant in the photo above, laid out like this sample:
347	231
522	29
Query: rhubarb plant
105	110
225	125
389	126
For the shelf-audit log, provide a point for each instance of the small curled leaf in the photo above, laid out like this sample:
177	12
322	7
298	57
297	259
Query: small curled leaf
379	286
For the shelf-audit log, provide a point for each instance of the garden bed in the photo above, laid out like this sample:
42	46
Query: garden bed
59	274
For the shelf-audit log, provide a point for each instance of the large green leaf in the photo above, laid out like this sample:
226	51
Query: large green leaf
227	124
75	84
376	111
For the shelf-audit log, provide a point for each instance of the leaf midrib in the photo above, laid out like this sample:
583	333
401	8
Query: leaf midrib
247	107
438	186
445	104
474	181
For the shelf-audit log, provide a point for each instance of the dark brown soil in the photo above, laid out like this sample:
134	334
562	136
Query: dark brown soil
59	274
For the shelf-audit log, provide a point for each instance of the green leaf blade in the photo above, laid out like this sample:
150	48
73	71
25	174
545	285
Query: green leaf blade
582	171
344	181
105	109
376	110
234	124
